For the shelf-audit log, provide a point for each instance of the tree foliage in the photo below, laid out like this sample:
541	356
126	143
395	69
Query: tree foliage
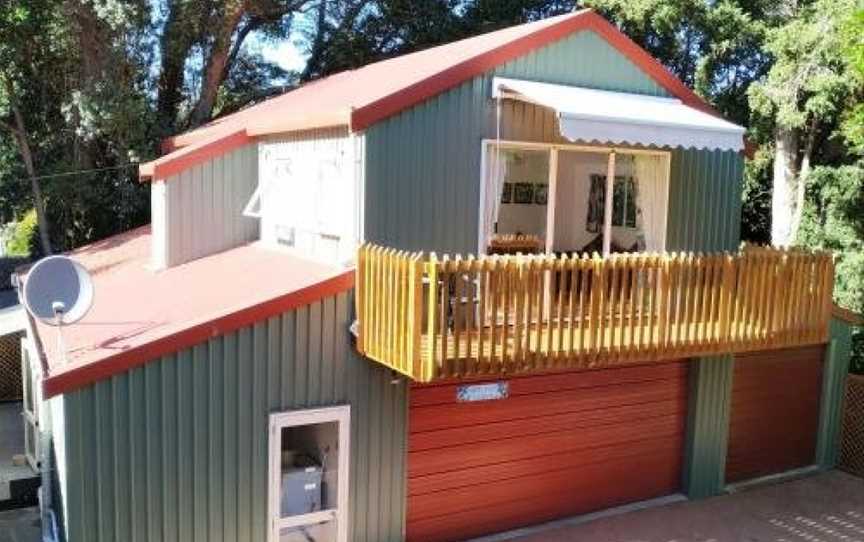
853	47
84	86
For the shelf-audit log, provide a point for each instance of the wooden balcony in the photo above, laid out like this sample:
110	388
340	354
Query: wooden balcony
433	318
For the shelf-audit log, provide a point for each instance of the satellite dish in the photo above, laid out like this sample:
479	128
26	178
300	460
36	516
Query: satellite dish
58	291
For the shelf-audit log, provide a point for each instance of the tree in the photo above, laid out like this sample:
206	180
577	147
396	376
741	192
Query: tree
853	37
713	47
799	101
211	33
73	96
834	203
26	35
346	34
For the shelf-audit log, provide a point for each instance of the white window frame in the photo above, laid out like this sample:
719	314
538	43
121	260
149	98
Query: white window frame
553	148
341	415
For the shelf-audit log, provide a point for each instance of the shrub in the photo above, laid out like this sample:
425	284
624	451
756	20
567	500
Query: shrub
24	237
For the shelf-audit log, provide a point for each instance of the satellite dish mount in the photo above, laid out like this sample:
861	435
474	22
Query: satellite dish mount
58	291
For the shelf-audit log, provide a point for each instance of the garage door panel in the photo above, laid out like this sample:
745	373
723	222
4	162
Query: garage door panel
806	398
751	416
590	491
783	460
540	485
759	435
782	453
526	385
526	427
556	446
776	397
471	455
779	386
774	387
629	455
536	405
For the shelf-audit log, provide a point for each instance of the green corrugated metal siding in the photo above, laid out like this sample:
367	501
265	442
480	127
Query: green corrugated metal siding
708	425
833	389
177	449
582	59
704	200
423	165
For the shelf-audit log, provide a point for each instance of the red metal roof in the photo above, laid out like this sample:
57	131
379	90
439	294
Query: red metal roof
359	98
139	314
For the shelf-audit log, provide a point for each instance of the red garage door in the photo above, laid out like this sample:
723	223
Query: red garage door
775	412
558	445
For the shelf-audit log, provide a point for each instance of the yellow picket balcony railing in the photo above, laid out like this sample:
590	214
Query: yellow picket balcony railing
434	318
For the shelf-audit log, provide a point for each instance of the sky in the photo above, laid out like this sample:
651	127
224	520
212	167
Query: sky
283	53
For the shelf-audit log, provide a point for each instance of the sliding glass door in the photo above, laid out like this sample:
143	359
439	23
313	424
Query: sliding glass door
545	198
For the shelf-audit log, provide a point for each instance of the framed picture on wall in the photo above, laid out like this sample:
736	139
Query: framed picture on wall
541	194
523	193
507	193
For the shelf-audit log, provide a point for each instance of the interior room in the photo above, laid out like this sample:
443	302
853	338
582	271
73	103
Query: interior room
552	199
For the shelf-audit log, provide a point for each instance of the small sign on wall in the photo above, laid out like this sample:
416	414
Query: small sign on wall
483	392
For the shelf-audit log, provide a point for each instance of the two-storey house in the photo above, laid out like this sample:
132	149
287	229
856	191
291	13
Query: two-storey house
461	291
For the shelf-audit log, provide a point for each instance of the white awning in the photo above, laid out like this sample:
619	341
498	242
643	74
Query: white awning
603	116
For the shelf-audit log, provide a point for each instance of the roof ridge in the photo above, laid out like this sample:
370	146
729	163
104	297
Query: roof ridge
169	145
340	105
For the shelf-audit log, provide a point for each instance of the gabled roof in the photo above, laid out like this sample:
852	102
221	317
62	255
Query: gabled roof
139	314
360	98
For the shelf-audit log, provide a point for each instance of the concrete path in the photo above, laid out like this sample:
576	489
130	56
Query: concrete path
827	507
20	525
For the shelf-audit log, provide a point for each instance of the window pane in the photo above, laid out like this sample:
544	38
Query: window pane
524	197
309	474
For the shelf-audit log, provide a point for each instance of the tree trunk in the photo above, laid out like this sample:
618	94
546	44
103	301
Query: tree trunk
38	198
217	64
803	173
784	187
177	41
317	48
92	61
19	131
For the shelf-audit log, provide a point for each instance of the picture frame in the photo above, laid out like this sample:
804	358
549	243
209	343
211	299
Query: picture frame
523	193
507	193
541	194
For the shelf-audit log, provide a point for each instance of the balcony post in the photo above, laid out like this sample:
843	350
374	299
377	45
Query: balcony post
607	209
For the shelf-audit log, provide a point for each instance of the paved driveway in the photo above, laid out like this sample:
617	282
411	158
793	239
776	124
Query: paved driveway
827	507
